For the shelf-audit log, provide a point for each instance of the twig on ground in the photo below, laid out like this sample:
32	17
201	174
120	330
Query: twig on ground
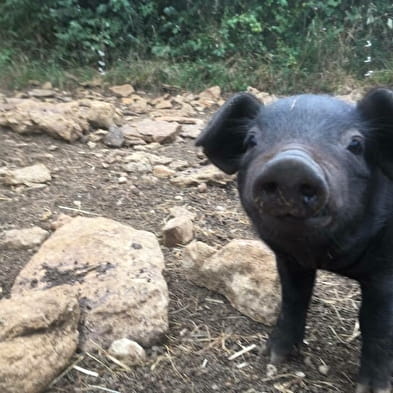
78	210
85	371
242	352
104	389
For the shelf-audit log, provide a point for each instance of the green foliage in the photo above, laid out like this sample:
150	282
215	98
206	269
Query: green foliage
228	41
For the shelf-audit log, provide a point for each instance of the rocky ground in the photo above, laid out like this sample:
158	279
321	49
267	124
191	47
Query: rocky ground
119	168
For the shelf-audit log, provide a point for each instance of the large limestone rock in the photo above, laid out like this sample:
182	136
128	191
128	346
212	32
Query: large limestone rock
38	336
116	272
66	120
244	271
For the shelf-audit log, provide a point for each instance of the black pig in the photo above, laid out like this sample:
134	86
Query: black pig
315	177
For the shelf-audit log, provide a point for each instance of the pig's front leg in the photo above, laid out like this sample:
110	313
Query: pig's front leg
376	325
296	289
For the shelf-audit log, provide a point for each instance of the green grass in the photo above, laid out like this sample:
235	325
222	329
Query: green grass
151	75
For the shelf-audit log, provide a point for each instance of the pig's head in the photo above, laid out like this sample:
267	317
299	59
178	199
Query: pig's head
306	164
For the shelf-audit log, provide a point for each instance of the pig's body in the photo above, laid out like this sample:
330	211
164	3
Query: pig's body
314	176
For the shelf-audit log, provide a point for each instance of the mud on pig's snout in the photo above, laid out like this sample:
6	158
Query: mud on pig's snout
290	184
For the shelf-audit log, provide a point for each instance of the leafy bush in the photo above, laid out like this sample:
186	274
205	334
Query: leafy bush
292	37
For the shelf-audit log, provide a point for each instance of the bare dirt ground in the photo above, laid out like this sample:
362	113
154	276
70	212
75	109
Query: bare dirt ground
204	329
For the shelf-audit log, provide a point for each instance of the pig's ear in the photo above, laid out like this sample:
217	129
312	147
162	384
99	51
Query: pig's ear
223	138
377	110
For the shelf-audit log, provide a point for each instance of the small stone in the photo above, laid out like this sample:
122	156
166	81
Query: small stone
179	119
181	211
202	187
162	171
37	173
153	146
91	145
153	159
178	165
136	103
205	174
244	271
324	369
177	231
149	179
191	131
308	362
24	238
41	93
265	97
122	90
300	374
122	180
132	136
47	86
61	220
96	136
127	351
114	138
163	104
137	167
46	215
271	370
157	131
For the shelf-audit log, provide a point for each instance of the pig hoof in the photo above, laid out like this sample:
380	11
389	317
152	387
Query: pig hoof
279	355
277	358
362	388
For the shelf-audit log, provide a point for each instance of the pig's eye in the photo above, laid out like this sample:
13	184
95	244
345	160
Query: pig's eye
355	146
250	141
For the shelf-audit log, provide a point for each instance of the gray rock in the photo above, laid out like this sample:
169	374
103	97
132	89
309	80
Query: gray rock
114	138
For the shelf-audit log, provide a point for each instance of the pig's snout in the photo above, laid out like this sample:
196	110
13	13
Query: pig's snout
291	184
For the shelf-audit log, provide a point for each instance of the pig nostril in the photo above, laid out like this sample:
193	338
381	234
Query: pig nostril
308	193
269	188
307	190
